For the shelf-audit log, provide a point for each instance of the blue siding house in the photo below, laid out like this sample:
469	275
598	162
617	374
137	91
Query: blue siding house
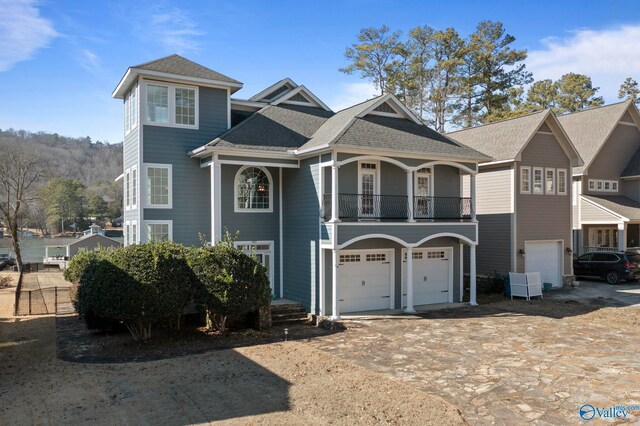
356	210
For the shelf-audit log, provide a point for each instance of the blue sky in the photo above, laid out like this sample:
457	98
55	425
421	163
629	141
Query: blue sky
60	60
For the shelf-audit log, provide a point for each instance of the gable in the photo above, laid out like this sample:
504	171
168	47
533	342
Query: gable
385	107
389	106
544	128
615	154
276	93
627	118
545	150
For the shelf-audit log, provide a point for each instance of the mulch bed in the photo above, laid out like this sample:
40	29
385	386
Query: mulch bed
76	343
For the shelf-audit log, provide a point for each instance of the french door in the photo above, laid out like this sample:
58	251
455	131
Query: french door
368	203
422	193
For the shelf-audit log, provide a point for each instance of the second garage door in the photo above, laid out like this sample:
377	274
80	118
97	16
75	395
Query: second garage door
365	280
544	257
432	276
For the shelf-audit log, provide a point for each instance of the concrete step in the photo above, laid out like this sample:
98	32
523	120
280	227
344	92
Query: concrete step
290	321
288	315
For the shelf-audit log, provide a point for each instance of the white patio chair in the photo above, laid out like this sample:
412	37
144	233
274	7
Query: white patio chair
518	283
534	284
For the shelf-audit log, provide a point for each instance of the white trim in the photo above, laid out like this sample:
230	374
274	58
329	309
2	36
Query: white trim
560	253
228	109
541	132
451	259
206	150
390	98
533	180
493	163
593	203
522	191
157	222
446	163
626	123
171	106
120	177
126	232
602	222
259	164
247	103
212	185
566	189
439	223
630	177
404	243
127	189
136	234
270	252
392	268
431	164
237	209
217	170
135	193
461	272
307	92
280	235
376	190
273	88
169	167
447	234
611	182
552	191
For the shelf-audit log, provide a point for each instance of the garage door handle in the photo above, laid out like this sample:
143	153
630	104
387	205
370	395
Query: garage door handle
444	291
386	297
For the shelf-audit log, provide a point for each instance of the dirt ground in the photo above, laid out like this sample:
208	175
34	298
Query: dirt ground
273	384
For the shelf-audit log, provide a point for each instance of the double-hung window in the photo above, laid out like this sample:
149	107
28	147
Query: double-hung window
562	182
131	109
134	187
127	189
158	185
549	181
525	180
538	185
159	230
170	105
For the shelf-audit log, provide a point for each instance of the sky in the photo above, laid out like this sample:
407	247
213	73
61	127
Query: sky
61	60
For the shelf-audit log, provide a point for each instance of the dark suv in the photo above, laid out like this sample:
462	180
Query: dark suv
608	265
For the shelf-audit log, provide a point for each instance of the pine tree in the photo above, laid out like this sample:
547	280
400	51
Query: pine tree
629	90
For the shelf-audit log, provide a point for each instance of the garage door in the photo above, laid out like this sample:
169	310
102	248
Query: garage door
544	257
432	276
365	280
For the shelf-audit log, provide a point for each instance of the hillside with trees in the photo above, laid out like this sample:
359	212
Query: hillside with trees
77	184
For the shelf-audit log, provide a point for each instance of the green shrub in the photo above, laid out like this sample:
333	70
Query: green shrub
234	283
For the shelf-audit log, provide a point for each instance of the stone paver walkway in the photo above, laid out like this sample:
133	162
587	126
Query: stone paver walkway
503	363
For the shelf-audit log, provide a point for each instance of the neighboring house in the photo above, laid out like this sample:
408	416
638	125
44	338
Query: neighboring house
524	196
88	242
350	211
606	202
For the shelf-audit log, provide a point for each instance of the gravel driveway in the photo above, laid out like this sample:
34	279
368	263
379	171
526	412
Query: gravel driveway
506	362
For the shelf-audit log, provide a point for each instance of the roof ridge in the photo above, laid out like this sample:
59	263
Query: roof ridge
158	60
360	103
498	122
594	108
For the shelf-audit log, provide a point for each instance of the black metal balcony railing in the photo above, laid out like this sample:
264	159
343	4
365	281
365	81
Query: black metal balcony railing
396	207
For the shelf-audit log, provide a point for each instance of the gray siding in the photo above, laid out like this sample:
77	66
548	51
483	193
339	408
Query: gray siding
393	180
252	226
409	233
493	253
446	181
631	188
301	232
191	212
94	242
615	154
130	150
543	217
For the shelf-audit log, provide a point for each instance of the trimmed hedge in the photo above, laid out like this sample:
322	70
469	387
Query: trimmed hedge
144	284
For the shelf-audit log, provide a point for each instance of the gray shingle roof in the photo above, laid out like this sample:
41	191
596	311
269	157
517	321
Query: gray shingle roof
274	128
177	65
389	133
633	167
619	204
502	140
589	129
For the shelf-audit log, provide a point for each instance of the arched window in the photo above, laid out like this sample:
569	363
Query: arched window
253	189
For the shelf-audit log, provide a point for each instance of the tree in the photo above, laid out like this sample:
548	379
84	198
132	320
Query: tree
371	57
629	90
543	94
20	171
576	92
96	206
63	201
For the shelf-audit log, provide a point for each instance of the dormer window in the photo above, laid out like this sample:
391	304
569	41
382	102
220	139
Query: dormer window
171	105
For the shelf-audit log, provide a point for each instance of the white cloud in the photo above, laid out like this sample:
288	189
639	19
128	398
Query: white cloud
351	94
89	60
607	56
174	30
22	31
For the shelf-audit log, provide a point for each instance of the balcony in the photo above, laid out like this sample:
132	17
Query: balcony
363	207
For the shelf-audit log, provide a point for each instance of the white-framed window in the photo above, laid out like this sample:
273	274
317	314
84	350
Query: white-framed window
525	180
562	181
171	105
549	181
134	232
134	187
159	230
538	181
262	250
127	233
127	189
253	190
131	109
603	185
158	178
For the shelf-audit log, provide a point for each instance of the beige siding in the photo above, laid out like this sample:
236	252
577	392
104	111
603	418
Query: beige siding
493	191
615	154
544	217
591	213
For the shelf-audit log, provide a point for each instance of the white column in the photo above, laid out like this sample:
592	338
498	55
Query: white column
335	205
213	205
461	272
409	279
622	236
410	195
473	197
217	199
472	275
335	310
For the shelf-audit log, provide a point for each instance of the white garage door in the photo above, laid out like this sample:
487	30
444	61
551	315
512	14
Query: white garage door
432	276
365	280
544	257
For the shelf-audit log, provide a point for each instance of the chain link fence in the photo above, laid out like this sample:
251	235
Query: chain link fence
37	300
